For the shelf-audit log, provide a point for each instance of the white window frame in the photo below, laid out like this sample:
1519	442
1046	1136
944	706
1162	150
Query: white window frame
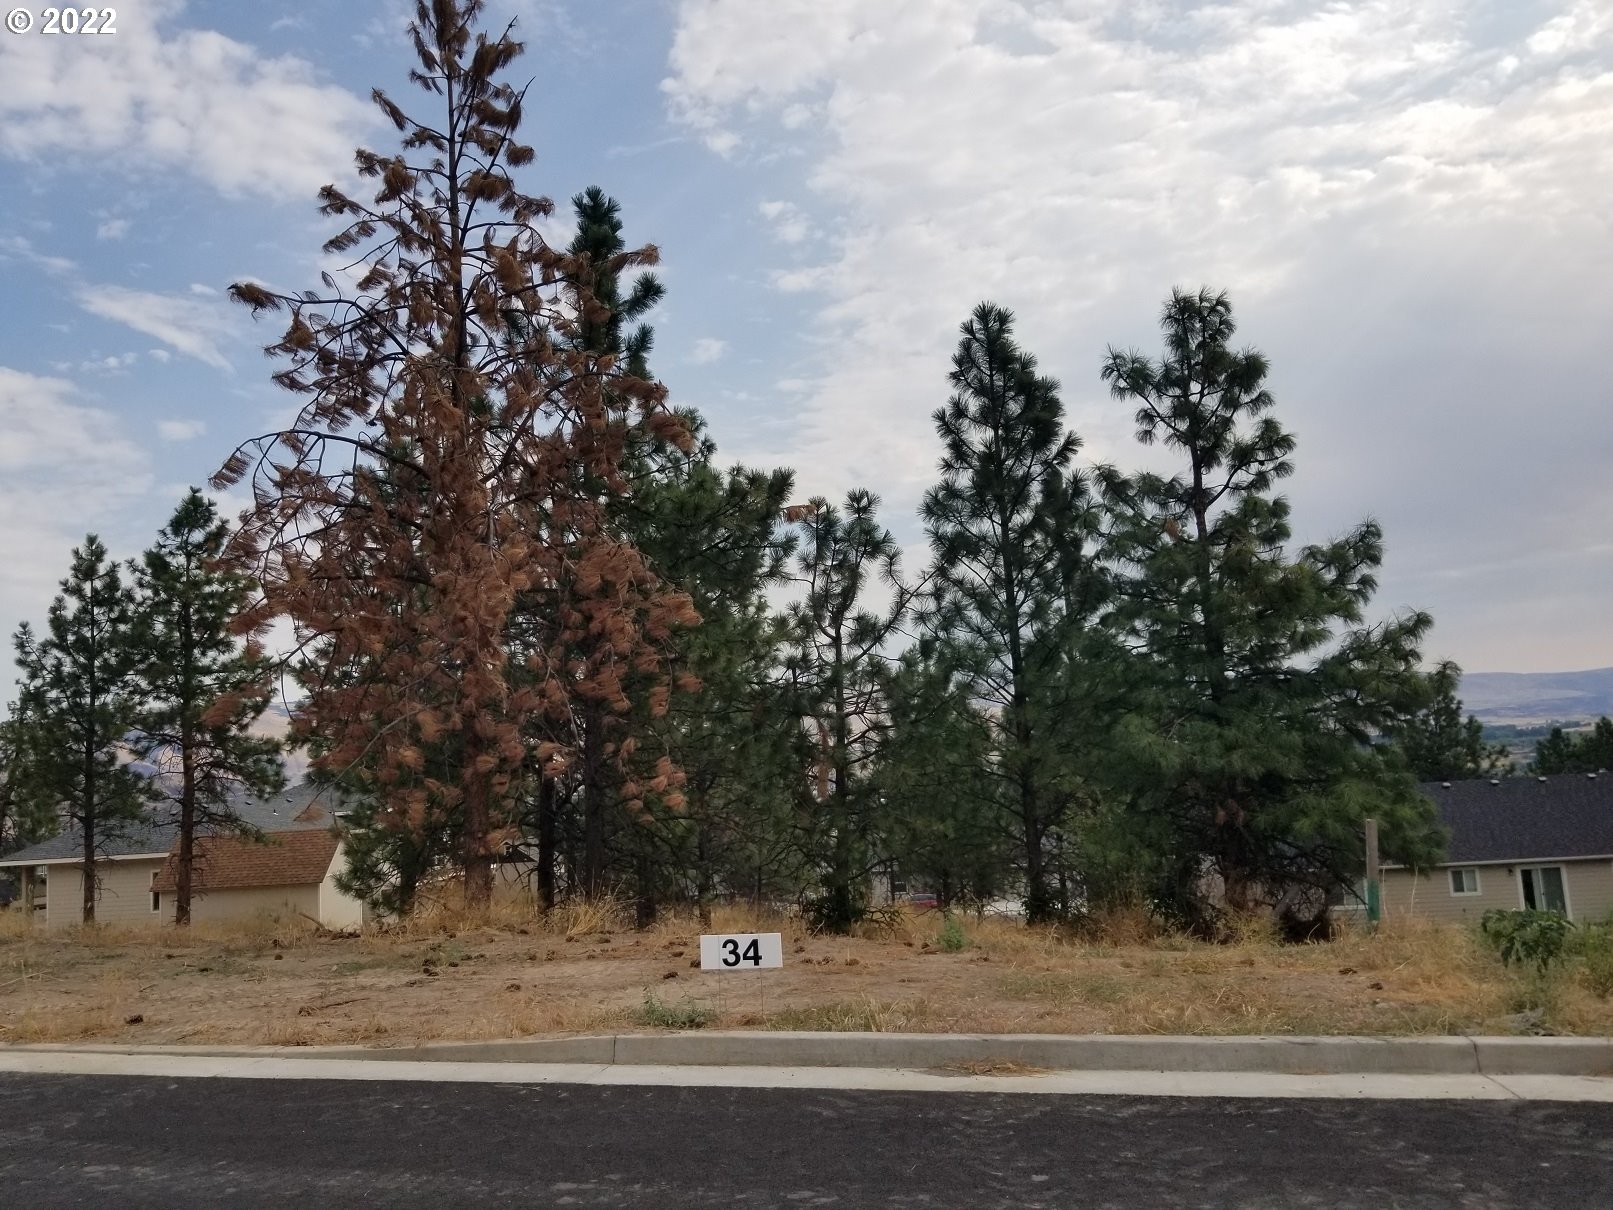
1568	899
156	895
1463	869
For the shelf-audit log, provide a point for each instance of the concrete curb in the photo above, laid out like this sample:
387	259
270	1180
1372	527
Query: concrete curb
1459	1055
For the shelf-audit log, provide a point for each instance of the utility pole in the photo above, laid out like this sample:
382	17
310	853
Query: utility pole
1374	886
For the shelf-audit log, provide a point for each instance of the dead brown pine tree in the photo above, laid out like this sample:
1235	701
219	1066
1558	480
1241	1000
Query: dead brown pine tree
453	423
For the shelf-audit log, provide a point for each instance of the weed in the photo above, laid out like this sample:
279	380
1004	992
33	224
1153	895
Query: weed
953	940
686	1014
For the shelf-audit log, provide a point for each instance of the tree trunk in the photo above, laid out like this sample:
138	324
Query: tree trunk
477	859
593	802
183	880
546	845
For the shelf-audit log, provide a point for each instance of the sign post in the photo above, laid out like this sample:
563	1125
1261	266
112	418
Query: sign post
1374	885
729	952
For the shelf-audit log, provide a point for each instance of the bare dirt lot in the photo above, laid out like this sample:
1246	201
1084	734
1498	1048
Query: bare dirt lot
281	983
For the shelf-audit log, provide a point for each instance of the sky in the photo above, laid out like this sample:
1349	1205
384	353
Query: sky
1410	205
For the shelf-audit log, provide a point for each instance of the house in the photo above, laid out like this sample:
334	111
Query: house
292	871
1516	842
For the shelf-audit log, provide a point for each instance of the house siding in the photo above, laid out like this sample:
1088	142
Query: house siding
1428	896
246	902
338	910
124	897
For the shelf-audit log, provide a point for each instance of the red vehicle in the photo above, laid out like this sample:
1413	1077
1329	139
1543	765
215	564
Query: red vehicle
922	901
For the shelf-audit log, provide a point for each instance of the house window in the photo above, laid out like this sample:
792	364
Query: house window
1543	888
1465	880
156	895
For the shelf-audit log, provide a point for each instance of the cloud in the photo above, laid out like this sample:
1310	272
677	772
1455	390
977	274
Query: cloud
159	97
185	325
180	430
789	225
707	350
1407	203
112	228
15	247
66	468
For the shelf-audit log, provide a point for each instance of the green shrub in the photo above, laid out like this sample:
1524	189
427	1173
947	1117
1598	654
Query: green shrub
685	1015
1527	938
1595	946
952	936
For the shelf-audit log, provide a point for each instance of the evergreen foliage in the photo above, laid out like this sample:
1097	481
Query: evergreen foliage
1012	531
203	688
1260	684
1439	745
1587	752
80	699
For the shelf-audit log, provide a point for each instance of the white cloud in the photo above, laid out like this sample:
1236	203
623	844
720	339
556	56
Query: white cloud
1408	208
187	326
790	225
66	468
112	228
159	355
180	430
707	350
160	97
15	247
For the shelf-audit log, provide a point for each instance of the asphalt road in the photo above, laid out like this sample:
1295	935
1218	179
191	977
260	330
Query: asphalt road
129	1141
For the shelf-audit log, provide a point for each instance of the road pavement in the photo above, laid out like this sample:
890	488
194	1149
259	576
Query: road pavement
116	1141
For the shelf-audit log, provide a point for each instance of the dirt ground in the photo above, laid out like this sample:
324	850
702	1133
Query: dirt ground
280	983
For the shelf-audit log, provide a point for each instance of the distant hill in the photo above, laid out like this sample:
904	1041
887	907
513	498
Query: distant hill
1537	697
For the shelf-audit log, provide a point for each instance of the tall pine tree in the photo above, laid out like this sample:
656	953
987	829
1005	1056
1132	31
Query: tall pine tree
204	687
838	669
458	363
79	702
1263	686
1013	529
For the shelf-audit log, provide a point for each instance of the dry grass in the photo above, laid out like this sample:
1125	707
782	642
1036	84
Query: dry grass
514	973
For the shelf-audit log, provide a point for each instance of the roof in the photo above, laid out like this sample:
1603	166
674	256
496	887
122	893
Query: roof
298	808
1526	818
234	862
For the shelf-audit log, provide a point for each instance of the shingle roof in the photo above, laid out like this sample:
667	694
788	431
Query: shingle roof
1527	818
233	862
300	807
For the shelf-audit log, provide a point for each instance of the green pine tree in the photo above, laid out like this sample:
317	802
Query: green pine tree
1250	754
1586	752
838	670
1013	529
204	688
1438	744
79	702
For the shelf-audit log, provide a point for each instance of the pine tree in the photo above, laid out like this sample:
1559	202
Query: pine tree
204	688
1438	744
1012	529
24	817
79	702
720	537
1250	752
457	363
941	790
1588	752
838	669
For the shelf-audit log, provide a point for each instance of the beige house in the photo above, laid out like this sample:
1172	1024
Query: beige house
290	872
1516	842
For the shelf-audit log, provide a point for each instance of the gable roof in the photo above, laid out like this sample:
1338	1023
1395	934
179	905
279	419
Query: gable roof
1526	818
301	807
234	862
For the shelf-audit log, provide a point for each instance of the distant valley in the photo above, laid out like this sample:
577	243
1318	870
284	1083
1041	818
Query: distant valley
1538	697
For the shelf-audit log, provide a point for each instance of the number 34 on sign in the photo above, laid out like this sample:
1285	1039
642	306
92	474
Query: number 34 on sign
741	951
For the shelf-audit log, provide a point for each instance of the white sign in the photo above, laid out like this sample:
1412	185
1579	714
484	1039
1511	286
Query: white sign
741	951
